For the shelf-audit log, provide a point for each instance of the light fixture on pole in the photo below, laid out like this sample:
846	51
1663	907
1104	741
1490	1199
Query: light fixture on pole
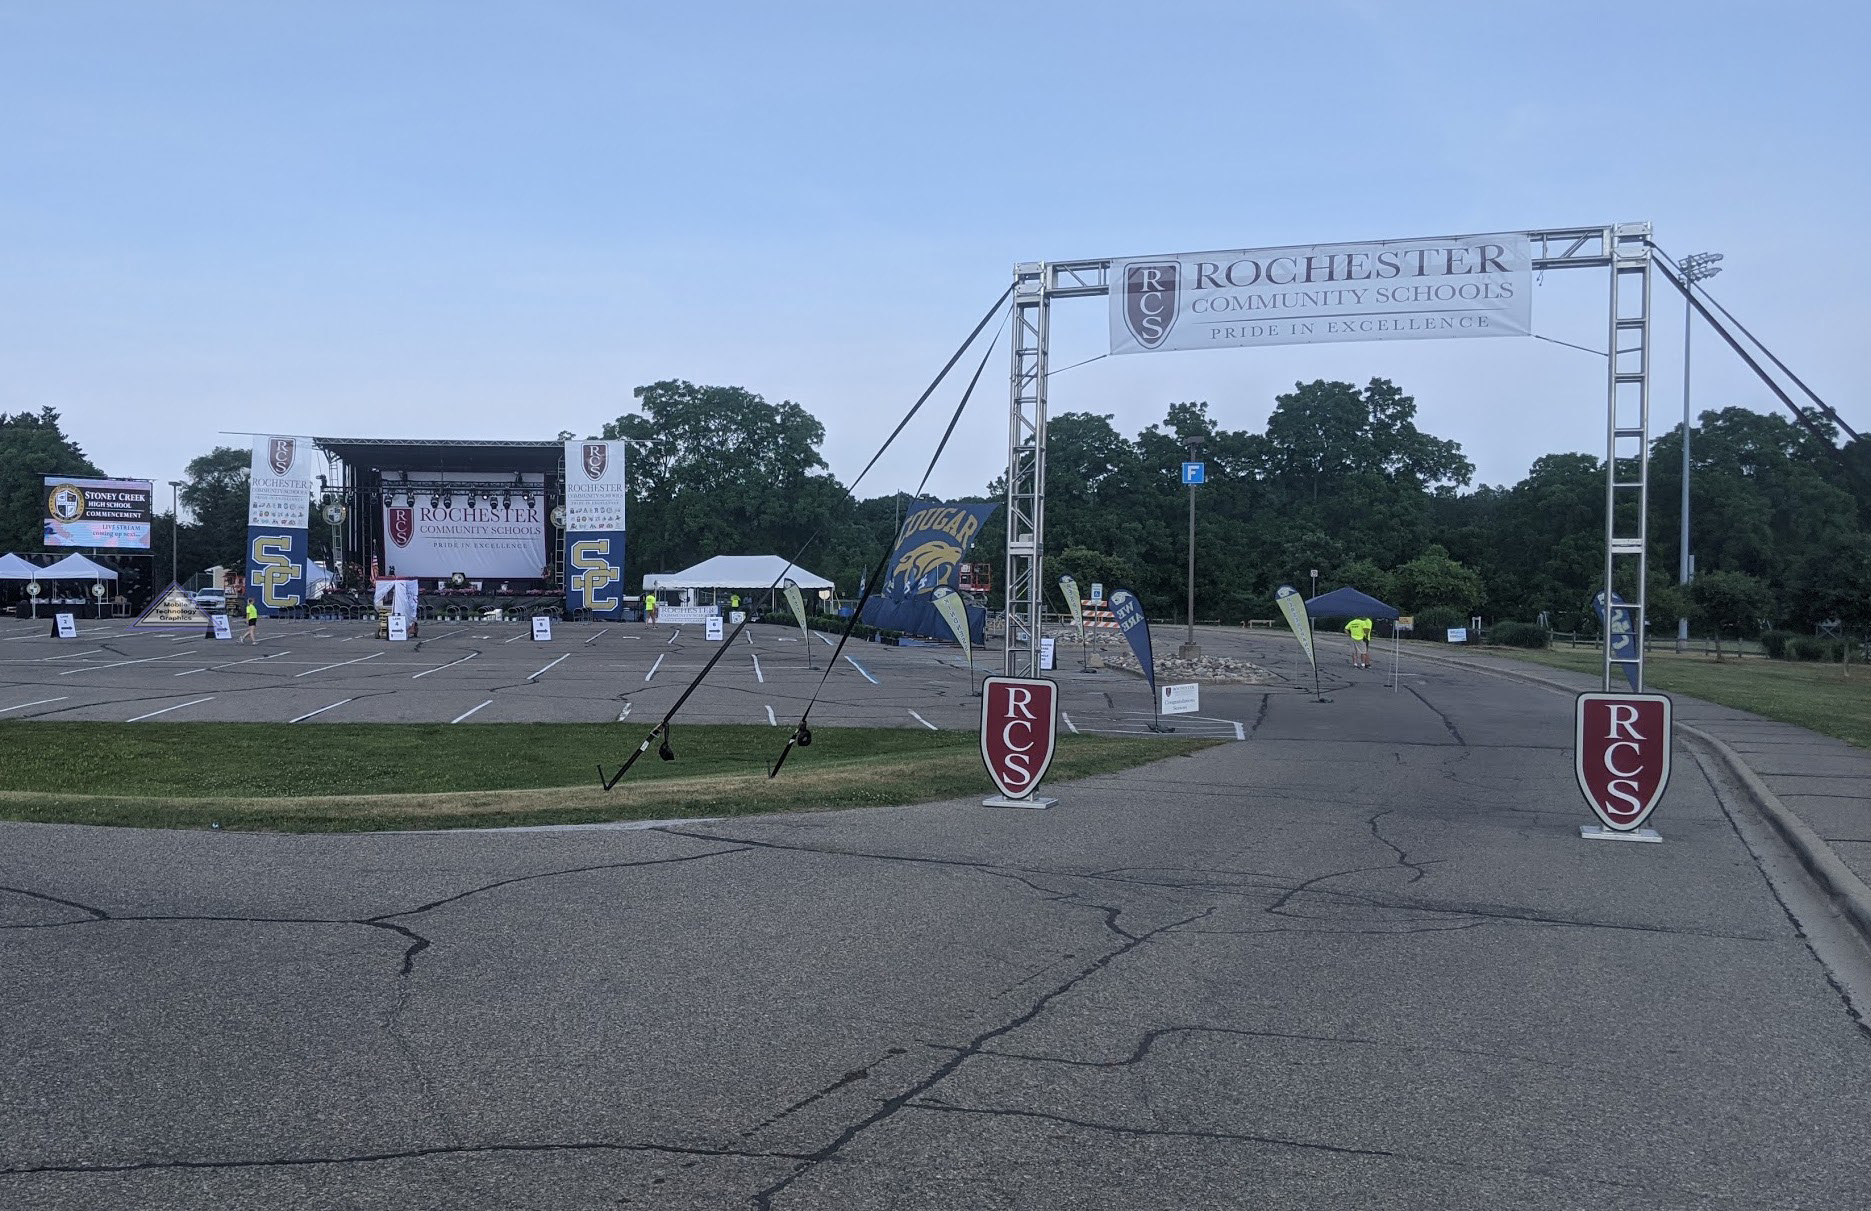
1696	267
175	525
1193	473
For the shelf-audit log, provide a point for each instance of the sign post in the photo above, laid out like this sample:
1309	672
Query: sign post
1621	755
1019	731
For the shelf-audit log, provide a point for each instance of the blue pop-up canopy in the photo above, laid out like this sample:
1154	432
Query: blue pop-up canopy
1349	603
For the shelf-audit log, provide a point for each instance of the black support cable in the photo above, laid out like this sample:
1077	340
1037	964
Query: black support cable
1799	413
802	734
1831	413
660	733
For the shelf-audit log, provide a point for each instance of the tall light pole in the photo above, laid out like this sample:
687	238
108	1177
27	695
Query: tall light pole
175	525
1696	267
1189	649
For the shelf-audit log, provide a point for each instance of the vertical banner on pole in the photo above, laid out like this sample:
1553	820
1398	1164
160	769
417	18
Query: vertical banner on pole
594	527
279	505
796	601
954	613
1293	608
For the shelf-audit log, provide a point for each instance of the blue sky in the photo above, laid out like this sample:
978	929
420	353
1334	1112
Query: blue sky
494	220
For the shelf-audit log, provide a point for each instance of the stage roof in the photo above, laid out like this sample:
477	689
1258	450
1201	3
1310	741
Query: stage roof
414	454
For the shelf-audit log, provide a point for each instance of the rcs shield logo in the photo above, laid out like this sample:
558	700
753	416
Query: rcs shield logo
402	525
1152	297
597	456
1622	755
923	567
596	573
1019	731
280	453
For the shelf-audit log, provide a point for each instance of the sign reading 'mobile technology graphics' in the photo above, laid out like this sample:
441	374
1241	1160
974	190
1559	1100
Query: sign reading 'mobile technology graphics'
1466	285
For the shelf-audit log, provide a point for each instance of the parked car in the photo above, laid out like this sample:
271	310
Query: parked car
211	599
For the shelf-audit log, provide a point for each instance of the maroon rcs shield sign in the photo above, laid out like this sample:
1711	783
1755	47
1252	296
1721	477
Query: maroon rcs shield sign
1019	731
597	454
402	525
1622	755
279	454
1152	295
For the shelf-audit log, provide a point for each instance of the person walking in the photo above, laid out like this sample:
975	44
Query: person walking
1360	631
649	608
253	624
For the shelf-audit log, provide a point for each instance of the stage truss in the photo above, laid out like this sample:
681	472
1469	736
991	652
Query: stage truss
1623	248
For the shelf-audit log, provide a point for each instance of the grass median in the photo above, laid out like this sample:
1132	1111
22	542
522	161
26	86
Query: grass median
361	778
1824	697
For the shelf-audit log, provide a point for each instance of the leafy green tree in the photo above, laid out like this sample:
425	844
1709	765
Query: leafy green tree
214	491
32	447
1835	585
1433	579
1732	601
719	470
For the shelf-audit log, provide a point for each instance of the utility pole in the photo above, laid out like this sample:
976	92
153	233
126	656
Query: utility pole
1696	267
175	524
1192	474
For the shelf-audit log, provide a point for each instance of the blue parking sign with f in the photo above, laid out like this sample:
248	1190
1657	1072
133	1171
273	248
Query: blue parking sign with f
1194	473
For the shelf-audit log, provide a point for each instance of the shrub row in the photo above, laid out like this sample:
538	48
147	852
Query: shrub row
1791	645
1517	635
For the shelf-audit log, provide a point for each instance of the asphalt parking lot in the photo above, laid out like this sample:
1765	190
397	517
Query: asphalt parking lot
340	672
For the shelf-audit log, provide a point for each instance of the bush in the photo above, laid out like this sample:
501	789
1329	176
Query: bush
1433	624
1812	647
1775	643
1517	635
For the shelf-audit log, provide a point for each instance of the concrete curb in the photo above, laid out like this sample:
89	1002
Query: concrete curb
1838	881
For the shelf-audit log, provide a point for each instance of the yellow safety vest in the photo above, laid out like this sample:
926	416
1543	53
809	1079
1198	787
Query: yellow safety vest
1360	629
649	602
253	611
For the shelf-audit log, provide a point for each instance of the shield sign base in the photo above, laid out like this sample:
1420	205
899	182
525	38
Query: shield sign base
1038	801
1597	832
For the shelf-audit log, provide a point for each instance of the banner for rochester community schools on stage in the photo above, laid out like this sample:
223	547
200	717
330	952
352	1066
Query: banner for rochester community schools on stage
931	546
595	491
279	502
97	513
1465	285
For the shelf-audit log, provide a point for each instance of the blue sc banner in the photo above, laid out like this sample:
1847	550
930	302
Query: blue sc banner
1136	628
275	569
594	573
1623	634
932	544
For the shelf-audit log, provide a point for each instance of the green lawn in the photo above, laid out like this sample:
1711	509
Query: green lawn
354	777
1822	697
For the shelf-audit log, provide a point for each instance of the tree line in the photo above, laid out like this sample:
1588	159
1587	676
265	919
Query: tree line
1340	479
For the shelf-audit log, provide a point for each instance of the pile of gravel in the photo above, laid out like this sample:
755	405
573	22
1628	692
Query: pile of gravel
1218	670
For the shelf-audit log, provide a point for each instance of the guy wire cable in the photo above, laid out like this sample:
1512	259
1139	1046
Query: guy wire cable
1762	345
1799	413
661	731
802	734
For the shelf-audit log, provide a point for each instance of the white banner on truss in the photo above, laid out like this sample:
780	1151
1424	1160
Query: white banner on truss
1452	286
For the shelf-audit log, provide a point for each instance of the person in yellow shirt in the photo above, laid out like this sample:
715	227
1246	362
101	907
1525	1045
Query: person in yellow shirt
253	624
649	608
1360	631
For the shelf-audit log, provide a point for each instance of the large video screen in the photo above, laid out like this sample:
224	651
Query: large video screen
111	513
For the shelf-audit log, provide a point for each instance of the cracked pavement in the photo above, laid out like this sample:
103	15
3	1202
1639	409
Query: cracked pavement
1361	959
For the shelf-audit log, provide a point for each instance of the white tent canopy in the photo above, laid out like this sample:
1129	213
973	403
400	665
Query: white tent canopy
77	567
12	567
736	572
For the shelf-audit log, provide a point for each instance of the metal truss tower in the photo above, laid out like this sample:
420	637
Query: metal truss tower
1624	248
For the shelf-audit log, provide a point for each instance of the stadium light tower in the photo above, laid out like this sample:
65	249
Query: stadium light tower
1696	267
175	525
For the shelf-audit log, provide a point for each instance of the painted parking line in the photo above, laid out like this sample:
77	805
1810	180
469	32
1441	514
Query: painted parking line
321	710
191	672
673	638
98	668
517	638
465	714
918	718
254	659
549	667
624	714
1240	733
595	638
321	668
653	668
867	673
165	710
1070	726
770	718
20	706
451	664
758	675
827	639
